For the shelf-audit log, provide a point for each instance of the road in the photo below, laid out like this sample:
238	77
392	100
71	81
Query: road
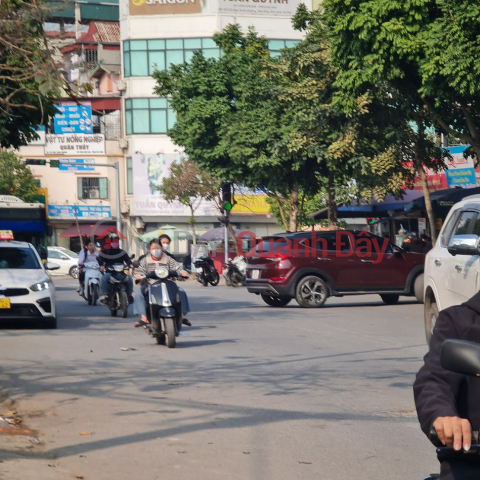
251	393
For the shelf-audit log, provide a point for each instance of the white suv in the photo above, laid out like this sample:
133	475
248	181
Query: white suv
452	267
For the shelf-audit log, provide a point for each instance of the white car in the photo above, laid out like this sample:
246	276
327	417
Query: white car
67	260
452	267
26	289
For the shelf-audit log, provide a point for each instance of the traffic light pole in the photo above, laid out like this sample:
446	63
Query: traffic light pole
226	212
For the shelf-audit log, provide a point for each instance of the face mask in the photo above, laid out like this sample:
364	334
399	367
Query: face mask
165	247
157	253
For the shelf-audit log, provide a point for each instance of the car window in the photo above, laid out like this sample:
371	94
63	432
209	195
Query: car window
54	254
476	226
21	258
448	230
377	247
270	245
70	253
329	242
465	223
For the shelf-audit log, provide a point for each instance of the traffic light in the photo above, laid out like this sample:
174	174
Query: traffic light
227	201
33	161
370	221
54	163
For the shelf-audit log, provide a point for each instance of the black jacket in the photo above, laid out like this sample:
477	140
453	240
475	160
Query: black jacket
111	256
440	393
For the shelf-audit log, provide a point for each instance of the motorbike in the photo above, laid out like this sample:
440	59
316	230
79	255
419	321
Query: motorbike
207	273
164	310
235	272
91	285
117	297
463	357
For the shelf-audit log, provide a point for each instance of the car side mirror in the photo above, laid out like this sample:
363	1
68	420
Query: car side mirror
461	356
51	266
64	257
397	251
464	245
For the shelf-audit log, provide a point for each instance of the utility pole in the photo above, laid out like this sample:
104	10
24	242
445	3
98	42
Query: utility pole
227	204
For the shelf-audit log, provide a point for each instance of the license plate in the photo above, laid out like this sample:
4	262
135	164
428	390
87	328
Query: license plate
4	303
255	274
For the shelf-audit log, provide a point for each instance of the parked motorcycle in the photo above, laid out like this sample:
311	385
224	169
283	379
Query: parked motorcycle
91	284
206	274
235	272
463	357
164	310
117	297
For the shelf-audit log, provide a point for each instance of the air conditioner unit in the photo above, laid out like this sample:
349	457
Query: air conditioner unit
94	193
125	207
121	86
139	223
123	143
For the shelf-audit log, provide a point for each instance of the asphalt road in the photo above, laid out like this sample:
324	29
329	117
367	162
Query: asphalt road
251	393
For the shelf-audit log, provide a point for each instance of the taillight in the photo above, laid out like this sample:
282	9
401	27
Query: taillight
277	279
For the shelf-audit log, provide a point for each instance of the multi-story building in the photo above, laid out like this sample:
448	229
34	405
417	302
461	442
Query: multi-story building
155	34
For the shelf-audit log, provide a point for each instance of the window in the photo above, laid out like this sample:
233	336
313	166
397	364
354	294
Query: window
148	115
54	254
22	258
92	188
448	230
143	57
129	176
465	222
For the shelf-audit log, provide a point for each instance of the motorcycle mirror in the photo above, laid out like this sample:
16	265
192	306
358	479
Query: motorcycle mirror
133	256
461	356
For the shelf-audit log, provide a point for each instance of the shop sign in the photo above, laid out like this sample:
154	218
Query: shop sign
75	144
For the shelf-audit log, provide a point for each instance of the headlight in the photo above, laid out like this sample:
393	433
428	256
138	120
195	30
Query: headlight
161	272
118	268
39	287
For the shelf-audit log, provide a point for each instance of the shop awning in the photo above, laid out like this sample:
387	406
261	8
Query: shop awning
85	230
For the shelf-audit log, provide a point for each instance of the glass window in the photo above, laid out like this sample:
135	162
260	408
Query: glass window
126	46
138	45
140	103
208	43
194	43
21	258
276	44
156	61
158	121
128	122
171	118
174	44
291	43
129	176
53	254
188	55
158	103
141	122
174	57
139	64
128	103
464	223
211	53
103	187
92	188
476	227
156	45
126	59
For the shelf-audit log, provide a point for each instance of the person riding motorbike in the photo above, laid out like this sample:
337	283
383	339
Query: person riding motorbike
112	256
148	263
449	401
86	255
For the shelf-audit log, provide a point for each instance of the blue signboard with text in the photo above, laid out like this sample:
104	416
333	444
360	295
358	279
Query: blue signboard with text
76	165
70	212
73	118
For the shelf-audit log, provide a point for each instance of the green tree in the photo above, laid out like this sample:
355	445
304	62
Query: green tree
29	78
16	178
189	185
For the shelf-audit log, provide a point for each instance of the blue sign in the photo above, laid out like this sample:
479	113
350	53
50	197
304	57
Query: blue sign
76	165
70	212
461	177
73	119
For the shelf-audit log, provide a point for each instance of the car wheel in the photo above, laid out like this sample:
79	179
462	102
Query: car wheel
276	301
311	292
74	272
50	323
431	315
390	298
418	288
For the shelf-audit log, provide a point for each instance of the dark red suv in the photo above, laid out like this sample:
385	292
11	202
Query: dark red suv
312	266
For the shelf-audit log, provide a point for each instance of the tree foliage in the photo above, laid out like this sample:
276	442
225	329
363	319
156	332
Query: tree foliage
16	178
29	77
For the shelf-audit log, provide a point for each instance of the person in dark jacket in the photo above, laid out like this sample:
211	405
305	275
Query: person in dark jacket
448	401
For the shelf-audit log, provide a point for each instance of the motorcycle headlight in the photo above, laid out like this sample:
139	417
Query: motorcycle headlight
39	287
161	272
118	268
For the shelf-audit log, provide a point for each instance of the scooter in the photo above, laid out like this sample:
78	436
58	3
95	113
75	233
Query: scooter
117	297
164	310
235	272
91	285
207	273
463	357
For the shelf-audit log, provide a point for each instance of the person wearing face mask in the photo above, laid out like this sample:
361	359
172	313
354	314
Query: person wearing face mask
149	263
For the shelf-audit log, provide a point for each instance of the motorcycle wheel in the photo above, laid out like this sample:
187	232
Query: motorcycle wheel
203	280
113	312
161	339
89	296
235	281
170	332
216	279
124	303
94	296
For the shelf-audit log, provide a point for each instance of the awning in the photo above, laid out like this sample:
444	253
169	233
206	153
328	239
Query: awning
107	103
85	230
22	226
